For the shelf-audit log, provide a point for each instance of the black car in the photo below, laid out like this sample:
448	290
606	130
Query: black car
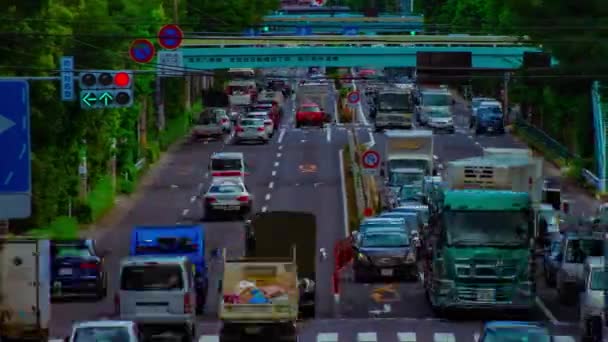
77	269
489	120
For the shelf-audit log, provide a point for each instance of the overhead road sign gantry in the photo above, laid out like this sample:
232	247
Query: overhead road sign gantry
482	58
15	163
426	40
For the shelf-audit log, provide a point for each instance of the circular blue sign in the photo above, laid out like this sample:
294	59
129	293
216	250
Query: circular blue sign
142	51
170	37
371	159
353	97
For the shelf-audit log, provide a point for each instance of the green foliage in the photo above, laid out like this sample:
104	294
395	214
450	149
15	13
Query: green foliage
98	34
61	228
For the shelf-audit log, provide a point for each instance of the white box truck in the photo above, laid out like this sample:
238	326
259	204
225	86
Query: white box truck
25	305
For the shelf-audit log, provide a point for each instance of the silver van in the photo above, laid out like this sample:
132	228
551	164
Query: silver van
158	293
212	122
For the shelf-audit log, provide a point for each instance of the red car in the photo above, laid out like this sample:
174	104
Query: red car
310	114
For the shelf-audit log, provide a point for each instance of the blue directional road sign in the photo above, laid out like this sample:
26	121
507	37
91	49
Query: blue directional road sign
350	30
15	165
303	30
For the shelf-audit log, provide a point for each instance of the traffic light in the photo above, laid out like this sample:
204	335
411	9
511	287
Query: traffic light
265	28
412	33
106	89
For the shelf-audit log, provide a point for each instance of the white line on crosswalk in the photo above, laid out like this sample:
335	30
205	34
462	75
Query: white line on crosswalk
444	337
406	337
209	338
327	337
367	337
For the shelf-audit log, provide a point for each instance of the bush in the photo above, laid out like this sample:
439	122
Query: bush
101	198
62	228
82	212
153	152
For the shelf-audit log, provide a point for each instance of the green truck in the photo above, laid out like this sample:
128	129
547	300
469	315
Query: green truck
479	251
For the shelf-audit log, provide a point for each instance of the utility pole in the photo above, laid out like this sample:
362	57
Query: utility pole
506	110
82	171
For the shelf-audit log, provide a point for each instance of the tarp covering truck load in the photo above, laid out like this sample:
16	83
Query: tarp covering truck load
264	293
25	304
479	252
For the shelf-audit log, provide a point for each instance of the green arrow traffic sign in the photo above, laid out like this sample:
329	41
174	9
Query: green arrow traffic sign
89	99
106	98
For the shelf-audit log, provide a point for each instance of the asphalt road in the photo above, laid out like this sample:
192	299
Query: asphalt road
406	299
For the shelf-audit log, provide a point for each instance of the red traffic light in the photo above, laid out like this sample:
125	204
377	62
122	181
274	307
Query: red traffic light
122	79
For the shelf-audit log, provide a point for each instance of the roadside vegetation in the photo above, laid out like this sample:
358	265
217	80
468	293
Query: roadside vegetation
98	34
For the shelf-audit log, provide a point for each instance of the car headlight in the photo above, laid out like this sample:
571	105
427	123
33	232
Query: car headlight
362	257
410	258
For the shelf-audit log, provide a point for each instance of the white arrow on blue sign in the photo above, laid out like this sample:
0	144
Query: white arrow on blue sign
15	165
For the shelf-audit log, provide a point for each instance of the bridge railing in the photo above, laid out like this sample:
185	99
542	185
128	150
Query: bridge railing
553	149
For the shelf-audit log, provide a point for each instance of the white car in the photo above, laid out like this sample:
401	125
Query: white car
227	196
251	130
123	331
268	123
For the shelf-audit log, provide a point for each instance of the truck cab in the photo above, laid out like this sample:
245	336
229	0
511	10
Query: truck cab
394	109
434	108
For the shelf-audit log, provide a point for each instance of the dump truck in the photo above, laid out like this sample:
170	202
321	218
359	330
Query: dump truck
25	288
480	249
266	291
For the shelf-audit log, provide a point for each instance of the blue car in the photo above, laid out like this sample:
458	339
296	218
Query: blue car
514	331
187	241
489	120
77	269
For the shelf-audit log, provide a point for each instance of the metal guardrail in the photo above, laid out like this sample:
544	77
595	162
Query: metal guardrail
357	39
549	144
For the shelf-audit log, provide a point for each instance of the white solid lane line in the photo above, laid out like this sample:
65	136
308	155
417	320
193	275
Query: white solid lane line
328	136
185	212
271	185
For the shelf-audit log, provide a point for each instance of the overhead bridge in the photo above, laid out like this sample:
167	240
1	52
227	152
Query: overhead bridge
359	40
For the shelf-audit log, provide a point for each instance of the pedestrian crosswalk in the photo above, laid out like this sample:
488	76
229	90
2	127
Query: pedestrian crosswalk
398	337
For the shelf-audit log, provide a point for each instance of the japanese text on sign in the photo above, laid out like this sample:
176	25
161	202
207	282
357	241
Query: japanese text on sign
260	59
67	78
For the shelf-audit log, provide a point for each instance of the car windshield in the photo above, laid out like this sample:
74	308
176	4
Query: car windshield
524	334
225	189
310	109
220	164
579	249
385	240
75	251
477	228
102	334
599	280
166	245
477	102
490	112
252	123
151	278
436	99
208	117
396	102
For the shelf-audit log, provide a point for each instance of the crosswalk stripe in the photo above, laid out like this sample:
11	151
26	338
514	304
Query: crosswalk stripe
444	337
209	338
327	337
367	337
406	336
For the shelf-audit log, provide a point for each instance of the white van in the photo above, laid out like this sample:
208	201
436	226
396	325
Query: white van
158	293
227	164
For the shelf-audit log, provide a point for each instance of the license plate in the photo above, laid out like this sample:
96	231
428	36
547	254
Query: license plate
253	330
228	207
486	295
65	271
386	272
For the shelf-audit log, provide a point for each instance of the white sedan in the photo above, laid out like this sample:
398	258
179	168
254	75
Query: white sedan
123	331
268	123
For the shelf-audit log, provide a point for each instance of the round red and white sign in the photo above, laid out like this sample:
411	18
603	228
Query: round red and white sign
370	159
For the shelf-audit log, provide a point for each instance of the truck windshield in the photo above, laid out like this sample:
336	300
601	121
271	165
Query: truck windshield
395	102
599	280
479	228
408	164
436	99
578	250
385	240
400	178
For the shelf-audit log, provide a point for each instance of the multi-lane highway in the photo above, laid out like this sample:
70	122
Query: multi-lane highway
300	171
